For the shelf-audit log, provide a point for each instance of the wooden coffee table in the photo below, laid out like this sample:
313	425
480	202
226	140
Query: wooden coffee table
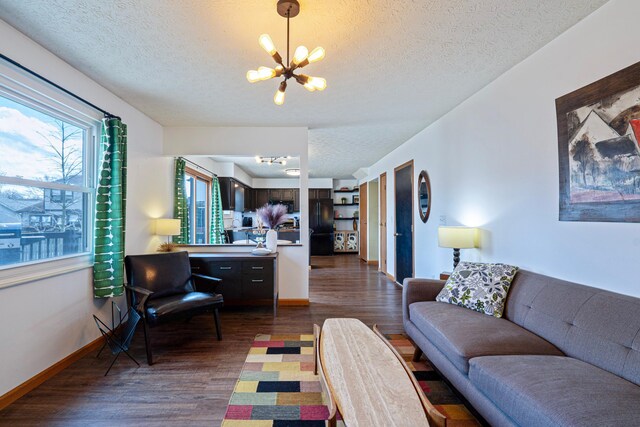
366	379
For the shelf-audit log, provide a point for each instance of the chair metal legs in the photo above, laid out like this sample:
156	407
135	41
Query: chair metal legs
147	343
216	318
147	335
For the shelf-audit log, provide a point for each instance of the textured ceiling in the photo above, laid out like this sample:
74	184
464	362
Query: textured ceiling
392	66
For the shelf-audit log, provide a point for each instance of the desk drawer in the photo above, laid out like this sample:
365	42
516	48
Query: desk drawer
222	269
258	268
255	287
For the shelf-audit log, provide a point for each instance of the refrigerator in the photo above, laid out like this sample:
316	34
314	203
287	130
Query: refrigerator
321	226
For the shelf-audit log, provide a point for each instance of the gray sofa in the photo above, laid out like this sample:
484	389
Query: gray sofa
563	354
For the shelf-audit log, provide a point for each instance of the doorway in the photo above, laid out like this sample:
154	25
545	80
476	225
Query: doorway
383	223
373	222
364	229
404	265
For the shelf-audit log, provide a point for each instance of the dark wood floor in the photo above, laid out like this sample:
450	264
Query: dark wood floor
194	375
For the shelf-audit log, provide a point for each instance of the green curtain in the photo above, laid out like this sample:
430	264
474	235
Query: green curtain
180	208
110	214
217	221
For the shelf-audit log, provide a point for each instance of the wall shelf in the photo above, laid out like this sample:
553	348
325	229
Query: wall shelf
346	204
347	191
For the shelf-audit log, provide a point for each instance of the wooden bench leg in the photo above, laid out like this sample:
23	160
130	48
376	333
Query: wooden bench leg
417	354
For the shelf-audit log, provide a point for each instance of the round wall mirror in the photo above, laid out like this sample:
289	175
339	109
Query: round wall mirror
424	196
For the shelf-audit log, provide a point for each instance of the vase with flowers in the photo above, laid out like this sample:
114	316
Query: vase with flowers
272	216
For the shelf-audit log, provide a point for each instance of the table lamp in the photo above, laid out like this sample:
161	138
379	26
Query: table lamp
457	238
167	227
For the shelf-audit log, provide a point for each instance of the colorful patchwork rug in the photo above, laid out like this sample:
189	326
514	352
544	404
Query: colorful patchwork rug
277	387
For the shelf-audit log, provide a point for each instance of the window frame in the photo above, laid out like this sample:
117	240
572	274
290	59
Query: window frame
190	172
18	86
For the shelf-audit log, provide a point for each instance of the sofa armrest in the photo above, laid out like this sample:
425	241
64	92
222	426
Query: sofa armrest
414	290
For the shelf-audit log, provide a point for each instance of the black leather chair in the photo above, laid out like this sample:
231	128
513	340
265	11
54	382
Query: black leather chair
161	287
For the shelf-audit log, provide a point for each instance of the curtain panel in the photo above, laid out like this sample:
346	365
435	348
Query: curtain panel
180	207
110	213
217	220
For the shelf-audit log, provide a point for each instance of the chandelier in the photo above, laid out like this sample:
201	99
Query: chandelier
282	160
301	58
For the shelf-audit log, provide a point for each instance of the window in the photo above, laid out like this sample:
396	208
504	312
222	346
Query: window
46	175
198	188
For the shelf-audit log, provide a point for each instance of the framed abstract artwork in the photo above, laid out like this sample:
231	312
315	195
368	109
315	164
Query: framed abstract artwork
598	152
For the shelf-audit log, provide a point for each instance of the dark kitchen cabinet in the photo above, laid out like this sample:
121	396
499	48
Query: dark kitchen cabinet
275	194
296	200
246	279
319	193
227	193
262	197
287	194
235	195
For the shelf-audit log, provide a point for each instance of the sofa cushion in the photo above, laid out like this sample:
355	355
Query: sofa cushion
558	391
462	334
593	325
479	286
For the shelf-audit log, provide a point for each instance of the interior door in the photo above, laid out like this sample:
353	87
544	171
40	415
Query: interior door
383	223
404	221
363	222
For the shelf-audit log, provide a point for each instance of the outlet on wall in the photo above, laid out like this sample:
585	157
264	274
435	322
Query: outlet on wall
443	220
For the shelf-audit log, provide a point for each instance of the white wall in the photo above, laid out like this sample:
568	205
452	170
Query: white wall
493	163
249	141
42	322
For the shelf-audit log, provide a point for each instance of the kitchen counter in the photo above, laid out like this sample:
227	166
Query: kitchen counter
238	256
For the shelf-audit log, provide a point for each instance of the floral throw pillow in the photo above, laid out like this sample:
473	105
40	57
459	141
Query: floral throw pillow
479	286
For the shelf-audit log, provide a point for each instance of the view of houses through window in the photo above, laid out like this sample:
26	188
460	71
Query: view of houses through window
43	188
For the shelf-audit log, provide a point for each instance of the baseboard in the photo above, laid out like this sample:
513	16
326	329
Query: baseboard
370	262
12	395
293	302
390	277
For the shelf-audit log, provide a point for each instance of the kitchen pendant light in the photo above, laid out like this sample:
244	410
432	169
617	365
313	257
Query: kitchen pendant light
301	58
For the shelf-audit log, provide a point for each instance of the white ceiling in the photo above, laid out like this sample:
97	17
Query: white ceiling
393	66
260	170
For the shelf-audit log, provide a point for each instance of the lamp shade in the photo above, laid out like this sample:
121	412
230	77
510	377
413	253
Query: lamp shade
457	237
167	227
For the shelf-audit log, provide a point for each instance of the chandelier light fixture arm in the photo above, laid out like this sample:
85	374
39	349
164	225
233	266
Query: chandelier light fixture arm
301	58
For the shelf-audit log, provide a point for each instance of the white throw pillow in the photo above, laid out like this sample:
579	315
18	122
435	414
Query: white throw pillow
478	286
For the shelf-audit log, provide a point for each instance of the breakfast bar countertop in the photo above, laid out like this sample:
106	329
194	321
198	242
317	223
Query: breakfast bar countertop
227	255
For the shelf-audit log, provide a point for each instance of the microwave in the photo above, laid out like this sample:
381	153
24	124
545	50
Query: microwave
287	203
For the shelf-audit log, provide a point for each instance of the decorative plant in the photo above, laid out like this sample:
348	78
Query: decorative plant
167	247
272	215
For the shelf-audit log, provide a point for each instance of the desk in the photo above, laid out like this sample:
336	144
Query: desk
246	279
367	381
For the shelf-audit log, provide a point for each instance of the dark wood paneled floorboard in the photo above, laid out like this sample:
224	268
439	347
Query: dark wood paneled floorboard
194	375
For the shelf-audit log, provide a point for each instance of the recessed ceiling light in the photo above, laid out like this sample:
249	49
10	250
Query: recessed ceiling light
293	171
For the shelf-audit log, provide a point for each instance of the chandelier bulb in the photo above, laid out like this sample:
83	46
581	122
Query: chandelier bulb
279	96
300	55
253	76
316	54
317	82
266	73
267	44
